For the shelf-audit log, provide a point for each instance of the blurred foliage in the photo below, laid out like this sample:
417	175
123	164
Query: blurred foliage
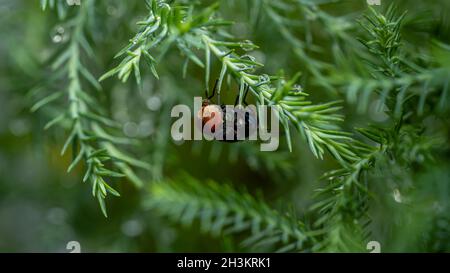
363	99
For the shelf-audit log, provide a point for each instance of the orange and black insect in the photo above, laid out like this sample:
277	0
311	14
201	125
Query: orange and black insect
217	117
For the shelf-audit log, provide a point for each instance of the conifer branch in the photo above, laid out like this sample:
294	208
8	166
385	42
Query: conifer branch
315	122
90	142
284	16
59	5
390	174
222	210
342	205
395	78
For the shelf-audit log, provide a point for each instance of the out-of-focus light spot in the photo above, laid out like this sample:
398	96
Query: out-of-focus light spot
60	30
121	115
19	127
397	196
57	38
56	216
146	128
132	228
178	142
59	34
241	29
259	56
154	103
111	10
130	129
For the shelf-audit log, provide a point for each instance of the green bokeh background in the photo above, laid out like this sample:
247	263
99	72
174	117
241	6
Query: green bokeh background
42	207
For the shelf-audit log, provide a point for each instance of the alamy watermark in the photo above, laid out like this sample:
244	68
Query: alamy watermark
374	2
73	2
228	123
74	247
374	247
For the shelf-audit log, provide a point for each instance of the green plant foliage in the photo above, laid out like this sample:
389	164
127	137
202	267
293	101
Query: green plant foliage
89	141
221	209
361	92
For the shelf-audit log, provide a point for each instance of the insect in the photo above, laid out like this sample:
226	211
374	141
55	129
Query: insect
227	122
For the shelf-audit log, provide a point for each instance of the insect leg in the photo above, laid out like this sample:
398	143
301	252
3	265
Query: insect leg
245	95
237	100
214	90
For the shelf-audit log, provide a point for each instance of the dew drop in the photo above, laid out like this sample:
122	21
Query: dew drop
130	129
57	38
263	79
297	88
248	57
154	103
247	45
397	196
60	30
